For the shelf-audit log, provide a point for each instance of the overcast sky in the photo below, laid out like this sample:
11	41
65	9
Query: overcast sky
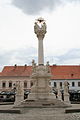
18	43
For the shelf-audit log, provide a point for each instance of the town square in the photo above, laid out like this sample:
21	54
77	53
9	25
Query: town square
44	82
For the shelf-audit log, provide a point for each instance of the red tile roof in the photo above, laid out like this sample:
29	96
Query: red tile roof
65	71
57	71
0	73
16	71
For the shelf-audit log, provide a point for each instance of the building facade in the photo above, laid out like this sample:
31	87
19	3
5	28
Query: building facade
71	73
11	74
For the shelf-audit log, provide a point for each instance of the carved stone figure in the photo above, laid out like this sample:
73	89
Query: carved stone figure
66	86
40	30
33	66
18	88
47	67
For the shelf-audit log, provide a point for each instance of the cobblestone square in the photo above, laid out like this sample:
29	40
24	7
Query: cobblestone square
40	114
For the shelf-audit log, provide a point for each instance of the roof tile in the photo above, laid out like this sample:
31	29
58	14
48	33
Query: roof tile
57	71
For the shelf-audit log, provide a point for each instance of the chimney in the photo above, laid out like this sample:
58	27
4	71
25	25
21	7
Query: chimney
15	65
25	65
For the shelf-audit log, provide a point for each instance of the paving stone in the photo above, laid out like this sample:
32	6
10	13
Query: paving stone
41	114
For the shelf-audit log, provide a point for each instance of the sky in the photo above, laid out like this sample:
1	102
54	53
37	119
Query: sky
18	42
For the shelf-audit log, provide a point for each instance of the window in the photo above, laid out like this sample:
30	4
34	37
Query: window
55	84
73	84
4	84
10	84
61	84
31	84
25	84
78	84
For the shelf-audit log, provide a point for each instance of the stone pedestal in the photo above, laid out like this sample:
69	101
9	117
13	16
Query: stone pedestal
66	98
18	99
41	89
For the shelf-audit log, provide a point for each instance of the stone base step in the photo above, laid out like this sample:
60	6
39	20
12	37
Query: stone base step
43	104
72	110
15	111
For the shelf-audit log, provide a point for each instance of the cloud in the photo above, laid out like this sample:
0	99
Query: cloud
24	56
18	56
36	6
71	57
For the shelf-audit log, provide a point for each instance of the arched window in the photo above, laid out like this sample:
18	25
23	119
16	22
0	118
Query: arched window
25	84
10	84
78	84
3	84
73	84
55	85
61	84
31	84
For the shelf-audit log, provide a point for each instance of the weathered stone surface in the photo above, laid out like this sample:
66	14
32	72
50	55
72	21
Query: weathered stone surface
40	31
19	93
40	114
41	88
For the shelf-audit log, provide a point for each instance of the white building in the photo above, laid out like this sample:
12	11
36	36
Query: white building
71	73
11	74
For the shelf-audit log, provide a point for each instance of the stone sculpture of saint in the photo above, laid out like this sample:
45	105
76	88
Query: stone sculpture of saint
47	67
66	87
33	66
18	88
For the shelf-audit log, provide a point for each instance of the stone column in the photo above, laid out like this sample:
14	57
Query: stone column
40	52
40	31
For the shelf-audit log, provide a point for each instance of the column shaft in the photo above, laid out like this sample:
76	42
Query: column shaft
40	52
